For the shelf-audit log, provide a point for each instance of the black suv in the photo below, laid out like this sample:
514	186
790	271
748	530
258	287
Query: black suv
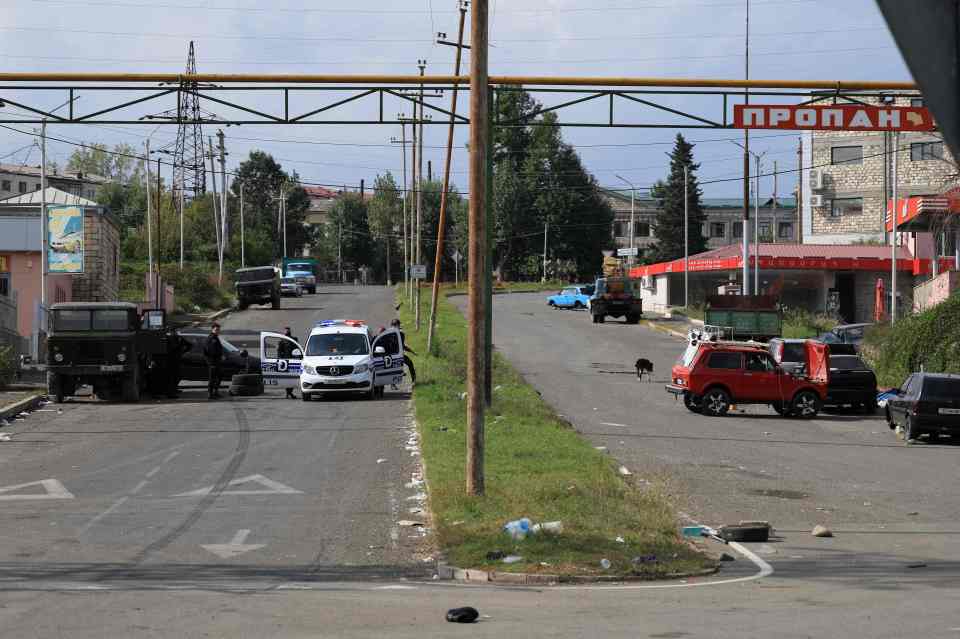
926	404
851	382
257	285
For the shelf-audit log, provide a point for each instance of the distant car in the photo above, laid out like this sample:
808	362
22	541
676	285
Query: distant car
926	404
571	297
289	286
851	383
845	334
193	367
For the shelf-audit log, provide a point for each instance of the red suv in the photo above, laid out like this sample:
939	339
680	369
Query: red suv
712	376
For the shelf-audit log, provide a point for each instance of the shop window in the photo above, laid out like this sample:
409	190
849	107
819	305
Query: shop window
846	155
718	230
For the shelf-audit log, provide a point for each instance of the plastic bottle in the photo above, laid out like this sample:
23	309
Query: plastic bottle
518	528
548	527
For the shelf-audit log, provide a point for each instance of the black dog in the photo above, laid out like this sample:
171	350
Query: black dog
644	366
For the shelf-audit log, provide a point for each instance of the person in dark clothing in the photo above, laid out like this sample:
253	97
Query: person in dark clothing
406	360
285	351
176	347
213	354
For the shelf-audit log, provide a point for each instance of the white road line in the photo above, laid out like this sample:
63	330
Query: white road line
139	487
613	424
170	456
90	524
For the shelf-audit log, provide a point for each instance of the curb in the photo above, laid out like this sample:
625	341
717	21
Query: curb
24	404
472	575
655	326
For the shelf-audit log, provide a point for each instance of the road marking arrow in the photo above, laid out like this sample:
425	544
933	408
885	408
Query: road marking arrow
53	490
235	547
270	487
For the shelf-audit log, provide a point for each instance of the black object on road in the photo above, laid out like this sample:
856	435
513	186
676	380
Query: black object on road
746	532
462	615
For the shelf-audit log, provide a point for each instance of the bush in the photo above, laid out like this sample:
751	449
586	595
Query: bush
928	340
196	287
800	323
8	365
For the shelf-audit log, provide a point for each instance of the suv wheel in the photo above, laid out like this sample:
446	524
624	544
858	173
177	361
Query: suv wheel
910	432
578	305
716	402
778	407
806	405
692	402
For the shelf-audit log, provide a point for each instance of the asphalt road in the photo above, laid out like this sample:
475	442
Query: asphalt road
265	517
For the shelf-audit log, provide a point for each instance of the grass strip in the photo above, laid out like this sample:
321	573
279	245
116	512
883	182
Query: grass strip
536	466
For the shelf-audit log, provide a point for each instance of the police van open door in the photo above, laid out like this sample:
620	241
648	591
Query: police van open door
387	359
280	361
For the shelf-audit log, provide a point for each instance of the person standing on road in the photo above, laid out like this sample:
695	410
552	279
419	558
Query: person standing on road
285	351
406	349
213	354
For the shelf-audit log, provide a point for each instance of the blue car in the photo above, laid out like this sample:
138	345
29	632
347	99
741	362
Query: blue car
572	297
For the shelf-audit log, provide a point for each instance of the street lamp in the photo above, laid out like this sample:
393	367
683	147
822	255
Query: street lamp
756	227
633	192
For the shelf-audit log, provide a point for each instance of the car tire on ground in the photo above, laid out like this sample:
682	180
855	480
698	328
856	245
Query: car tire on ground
910	432
633	319
692	403
246	384
715	402
778	408
578	305
806	405
56	387
130	387
599	319
275	303
305	396
551	304
890	423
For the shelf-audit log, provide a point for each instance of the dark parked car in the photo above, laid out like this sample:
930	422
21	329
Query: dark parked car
845	334
852	383
193	368
926	404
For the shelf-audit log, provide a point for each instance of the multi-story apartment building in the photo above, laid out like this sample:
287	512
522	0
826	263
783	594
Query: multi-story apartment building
778	224
848	178
17	179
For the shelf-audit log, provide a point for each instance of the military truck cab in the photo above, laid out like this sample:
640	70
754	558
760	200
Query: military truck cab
615	297
107	345
257	285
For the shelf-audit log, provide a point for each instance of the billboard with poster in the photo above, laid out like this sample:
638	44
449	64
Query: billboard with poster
65	239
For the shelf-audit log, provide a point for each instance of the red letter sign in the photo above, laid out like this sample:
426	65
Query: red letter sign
832	117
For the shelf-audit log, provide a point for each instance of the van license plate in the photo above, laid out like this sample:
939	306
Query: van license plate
950	411
111	368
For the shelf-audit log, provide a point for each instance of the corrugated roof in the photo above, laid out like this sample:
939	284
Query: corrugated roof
54	196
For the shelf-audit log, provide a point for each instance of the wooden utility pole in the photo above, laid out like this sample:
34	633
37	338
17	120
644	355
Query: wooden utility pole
441	224
417	249
476	308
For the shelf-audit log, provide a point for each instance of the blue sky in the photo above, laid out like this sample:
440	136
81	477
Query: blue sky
790	39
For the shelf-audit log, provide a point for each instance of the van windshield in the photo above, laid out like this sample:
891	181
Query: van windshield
338	344
300	267
941	388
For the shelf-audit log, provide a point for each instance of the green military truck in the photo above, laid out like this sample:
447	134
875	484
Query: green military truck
257	285
743	317
107	345
616	297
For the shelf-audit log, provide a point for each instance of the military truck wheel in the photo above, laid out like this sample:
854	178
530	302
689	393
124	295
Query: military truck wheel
130	387
633	319
56	387
275	303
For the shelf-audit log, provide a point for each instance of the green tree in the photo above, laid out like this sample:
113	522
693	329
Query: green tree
347	232
263	178
384	213
669	222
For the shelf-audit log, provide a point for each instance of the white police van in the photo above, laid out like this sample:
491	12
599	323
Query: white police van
340	356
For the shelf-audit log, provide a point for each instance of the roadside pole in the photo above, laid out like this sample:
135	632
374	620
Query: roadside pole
756	229
182	204
405	195
441	223
423	65
476	308
224	216
546	231
893	228
146	162
686	238
414	188
216	218
44	249
243	250
746	170
488	263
